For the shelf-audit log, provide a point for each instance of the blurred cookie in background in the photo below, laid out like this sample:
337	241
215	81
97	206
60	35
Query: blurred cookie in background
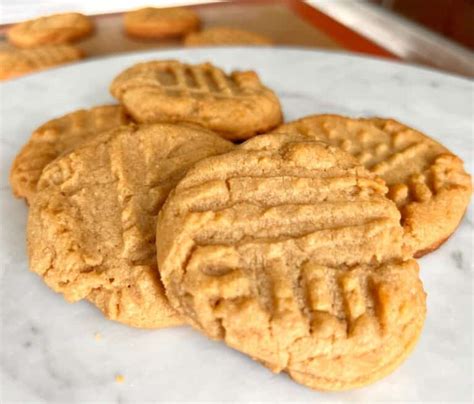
157	23
52	29
17	62
225	36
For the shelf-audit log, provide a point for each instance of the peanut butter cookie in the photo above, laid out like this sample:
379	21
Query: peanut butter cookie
426	181
151	22
290	252
17	62
50	30
91	225
225	36
56	137
237	106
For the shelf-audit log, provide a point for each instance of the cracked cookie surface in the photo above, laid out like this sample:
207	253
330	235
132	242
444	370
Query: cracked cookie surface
56	137
91	225
427	182
288	250
237	106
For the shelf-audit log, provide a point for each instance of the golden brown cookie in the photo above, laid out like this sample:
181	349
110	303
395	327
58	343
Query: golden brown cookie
290	252
151	22
426	181
237	106
91	226
225	36
56	137
17	62
50	30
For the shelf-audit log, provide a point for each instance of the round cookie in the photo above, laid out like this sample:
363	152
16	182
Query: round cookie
290	252
50	30
17	62
151	22
237	106
91	225
426	181
225	36
56	137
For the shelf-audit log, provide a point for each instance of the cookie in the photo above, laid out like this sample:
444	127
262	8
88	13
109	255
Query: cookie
91	225
426	181
50	30
151	22
17	62
225	36
237	106
56	137
290	252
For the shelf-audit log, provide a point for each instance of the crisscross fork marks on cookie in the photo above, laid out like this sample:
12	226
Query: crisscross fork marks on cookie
345	295
426	181
236	106
95	213
56	137
191	80
291	253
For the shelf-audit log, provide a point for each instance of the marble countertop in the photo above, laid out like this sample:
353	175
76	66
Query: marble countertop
52	351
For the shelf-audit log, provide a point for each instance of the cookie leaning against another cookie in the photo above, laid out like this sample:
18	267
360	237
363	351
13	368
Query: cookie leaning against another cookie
237	106
152	22
290	252
56	137
50	30
426	181
17	62
91	225
225	36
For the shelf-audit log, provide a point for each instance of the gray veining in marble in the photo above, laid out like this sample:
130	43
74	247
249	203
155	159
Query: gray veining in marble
48	347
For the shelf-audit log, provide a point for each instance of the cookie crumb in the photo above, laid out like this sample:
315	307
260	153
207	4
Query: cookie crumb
119	379
98	336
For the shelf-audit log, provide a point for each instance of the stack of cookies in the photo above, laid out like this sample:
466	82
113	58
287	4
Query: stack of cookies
191	203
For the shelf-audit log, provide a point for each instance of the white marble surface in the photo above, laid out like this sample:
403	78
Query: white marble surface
49	352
